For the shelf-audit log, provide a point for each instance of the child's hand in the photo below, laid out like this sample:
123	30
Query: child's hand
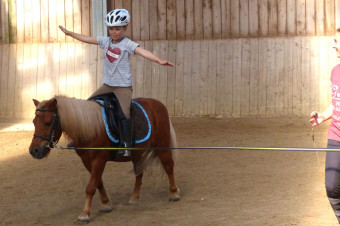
166	63
64	30
316	118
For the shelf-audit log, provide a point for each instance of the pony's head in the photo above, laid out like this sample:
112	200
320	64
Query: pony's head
47	128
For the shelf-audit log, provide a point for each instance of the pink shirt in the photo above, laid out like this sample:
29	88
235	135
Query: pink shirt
334	128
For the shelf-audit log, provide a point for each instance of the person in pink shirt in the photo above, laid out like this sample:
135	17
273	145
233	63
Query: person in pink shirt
332	168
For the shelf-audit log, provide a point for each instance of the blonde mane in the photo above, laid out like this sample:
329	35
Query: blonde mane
81	120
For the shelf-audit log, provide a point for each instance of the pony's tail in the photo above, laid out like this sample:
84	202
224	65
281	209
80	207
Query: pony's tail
150	161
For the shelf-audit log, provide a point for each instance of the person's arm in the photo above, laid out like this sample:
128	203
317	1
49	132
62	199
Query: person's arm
149	55
317	118
80	37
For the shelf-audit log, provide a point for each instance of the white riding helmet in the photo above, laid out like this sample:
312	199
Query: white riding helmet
117	17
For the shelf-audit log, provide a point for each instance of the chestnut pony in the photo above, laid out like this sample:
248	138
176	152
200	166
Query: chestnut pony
81	121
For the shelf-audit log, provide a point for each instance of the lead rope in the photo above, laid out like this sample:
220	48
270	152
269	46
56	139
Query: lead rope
317	154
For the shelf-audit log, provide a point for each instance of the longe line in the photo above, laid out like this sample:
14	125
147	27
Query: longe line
209	148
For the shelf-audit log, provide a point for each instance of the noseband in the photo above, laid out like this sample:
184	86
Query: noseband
56	121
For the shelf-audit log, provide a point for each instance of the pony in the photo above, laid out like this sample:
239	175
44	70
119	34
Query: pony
82	121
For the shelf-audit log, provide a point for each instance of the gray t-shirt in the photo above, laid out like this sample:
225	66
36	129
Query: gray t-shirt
117	68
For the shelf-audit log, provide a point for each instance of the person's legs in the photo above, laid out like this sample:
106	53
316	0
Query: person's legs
332	177
124	95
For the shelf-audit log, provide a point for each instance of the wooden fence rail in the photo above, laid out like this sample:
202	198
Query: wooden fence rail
231	77
35	21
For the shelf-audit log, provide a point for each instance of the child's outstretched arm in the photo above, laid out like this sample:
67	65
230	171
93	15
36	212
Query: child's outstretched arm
80	37
149	55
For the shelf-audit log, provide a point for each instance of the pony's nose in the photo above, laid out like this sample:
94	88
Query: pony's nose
34	151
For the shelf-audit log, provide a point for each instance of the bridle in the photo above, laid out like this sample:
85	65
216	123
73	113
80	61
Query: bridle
55	123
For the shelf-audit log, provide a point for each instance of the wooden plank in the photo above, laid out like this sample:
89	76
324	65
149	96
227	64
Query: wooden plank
288	79
245	77
263	17
180	20
216	19
70	81
253	18
4	60
20	21
140	74
301	17
195	77
52	21
136	20
62	88
127	4
272	17
85	73
97	16
147	73
207	19
225	17
337	15
12	23
254	77
297	70
44	17
163	82
161	22
33	73
198	17
69	18
235	18
324	75
314	83
77	16
187	80
144	15
244	18
153	19
291	17
36	29
279	75
228	81
28	20
4	21
189	20
171	78
26	102
310	17
306	77
60	15
54	62
282	18
78	55
271	74
118	4
262	82
320	18
212	78
18	81
179	88
171	19
154	76
43	86
85	18
220	77
93	68
330	17
237	82
204	59
110	5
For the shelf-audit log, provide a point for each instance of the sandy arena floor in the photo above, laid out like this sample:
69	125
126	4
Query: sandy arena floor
218	187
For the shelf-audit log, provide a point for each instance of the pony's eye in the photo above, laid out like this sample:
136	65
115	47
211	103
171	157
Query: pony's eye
47	124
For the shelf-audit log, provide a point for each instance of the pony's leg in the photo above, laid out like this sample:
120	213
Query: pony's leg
168	164
136	191
96	170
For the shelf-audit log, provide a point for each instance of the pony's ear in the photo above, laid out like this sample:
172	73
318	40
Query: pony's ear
36	103
54	101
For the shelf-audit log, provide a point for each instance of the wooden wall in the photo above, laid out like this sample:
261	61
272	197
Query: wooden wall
232	57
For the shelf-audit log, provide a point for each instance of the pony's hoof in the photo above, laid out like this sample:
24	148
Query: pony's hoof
105	208
133	200
83	218
174	196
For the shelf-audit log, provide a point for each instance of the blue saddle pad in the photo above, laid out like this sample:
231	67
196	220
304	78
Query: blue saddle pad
140	124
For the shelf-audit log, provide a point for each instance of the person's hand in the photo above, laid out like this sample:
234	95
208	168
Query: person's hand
316	118
64	30
166	63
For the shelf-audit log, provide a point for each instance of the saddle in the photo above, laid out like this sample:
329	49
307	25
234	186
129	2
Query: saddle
112	114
